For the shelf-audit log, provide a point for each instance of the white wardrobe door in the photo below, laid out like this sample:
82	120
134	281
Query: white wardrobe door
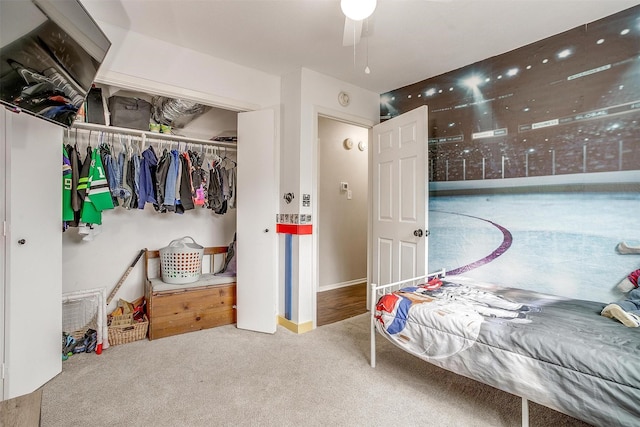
256	287
33	253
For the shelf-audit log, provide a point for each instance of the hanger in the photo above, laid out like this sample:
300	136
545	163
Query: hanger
129	145
123	147
89	141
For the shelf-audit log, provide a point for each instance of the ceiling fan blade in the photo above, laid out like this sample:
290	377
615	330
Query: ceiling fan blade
352	32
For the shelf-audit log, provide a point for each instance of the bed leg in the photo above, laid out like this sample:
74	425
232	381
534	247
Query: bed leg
373	341
525	412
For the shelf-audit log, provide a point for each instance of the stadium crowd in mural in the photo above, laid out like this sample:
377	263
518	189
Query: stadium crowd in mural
564	105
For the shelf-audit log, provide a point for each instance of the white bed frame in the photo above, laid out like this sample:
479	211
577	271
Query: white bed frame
378	290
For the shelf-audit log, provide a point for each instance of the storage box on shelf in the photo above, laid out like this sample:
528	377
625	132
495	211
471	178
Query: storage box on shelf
178	308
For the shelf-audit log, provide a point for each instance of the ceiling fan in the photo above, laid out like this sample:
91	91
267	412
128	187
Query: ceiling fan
352	32
355	13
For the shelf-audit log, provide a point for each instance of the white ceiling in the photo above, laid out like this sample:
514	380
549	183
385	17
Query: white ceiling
409	40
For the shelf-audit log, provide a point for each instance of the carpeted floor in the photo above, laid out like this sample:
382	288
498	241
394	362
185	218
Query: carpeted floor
230	377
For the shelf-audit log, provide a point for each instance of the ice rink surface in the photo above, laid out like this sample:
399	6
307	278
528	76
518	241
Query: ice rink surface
557	243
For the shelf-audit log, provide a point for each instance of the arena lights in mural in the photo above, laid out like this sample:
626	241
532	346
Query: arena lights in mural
566	104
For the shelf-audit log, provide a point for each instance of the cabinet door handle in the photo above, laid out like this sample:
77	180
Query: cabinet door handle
266	230
22	242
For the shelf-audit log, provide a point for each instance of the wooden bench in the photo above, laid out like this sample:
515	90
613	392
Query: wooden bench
176	309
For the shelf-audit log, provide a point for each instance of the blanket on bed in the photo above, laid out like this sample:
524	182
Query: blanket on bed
555	351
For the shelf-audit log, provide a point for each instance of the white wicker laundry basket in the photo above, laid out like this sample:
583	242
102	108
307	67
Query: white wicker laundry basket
181	261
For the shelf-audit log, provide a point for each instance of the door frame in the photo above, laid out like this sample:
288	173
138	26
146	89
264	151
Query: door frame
3	239
352	120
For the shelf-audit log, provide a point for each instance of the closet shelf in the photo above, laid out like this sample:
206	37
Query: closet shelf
151	135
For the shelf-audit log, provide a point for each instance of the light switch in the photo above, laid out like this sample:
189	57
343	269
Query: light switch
349	194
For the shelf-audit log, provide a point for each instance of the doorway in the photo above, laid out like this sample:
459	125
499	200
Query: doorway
343	206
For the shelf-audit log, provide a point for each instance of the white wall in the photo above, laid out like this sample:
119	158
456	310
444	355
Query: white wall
342	223
103	261
146	61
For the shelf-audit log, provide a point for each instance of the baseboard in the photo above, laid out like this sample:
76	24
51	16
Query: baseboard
342	285
294	327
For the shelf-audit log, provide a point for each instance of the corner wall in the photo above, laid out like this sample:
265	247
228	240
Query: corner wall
312	94
148	61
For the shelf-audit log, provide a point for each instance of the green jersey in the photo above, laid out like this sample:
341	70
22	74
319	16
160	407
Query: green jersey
98	194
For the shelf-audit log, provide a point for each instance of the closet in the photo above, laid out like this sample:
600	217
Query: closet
40	262
253	220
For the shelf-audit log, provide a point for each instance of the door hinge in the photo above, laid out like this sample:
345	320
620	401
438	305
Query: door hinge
2	370
4	228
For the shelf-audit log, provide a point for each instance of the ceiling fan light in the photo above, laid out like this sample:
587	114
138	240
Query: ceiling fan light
358	10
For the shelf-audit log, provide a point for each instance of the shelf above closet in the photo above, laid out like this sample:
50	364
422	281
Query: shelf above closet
151	135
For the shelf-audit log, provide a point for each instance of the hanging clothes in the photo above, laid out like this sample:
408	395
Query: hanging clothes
176	182
67	210
161	178
147	189
231	203
83	182
214	194
198	181
123	163
224	189
109	170
170	183
96	190
76	201
135	162
121	192
178	204
186	186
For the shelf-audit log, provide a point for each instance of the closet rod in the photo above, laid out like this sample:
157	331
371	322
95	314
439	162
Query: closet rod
152	135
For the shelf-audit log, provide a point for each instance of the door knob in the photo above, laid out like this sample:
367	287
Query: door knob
417	233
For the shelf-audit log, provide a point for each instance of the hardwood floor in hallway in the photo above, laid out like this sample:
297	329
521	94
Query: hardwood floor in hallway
342	303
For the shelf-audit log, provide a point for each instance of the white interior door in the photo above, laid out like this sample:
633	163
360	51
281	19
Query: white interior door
33	253
400	196
256	289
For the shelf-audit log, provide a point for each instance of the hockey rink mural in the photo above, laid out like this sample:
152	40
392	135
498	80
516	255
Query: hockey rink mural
534	161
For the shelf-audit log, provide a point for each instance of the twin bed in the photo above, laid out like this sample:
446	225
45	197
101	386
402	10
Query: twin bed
554	351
